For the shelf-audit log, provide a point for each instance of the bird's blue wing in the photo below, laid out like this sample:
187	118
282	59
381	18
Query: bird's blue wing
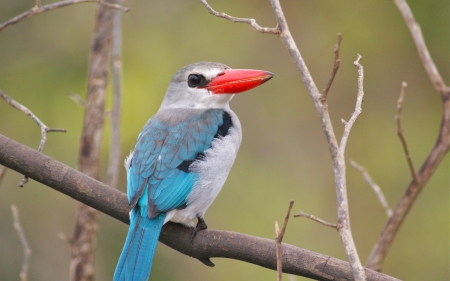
169	139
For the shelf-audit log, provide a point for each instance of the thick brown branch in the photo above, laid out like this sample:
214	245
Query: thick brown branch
83	240
208	243
112	174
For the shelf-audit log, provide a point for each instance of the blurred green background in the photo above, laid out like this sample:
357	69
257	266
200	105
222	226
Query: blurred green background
283	156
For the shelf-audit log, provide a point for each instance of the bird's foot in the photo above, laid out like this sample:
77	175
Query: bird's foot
201	224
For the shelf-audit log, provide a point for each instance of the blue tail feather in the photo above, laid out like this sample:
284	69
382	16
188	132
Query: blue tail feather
135	262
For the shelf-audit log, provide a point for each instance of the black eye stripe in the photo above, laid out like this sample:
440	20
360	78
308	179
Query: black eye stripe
196	80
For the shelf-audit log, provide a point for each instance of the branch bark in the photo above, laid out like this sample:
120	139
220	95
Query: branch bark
83	241
112	174
208	243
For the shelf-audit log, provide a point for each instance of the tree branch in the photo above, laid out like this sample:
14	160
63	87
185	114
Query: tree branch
83	241
422	48
2	172
38	9
252	22
316	219
208	243
374	187
327	128
25	244
279	238
337	63
42	126
434	158
112	174
400	131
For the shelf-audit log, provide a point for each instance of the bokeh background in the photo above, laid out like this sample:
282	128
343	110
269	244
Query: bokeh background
283	156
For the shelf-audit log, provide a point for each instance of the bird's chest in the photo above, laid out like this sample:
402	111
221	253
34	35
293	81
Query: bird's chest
212	170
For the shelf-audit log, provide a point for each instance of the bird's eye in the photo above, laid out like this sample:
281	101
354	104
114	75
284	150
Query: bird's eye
196	80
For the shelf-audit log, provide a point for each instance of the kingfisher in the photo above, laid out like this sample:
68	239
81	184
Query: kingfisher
182	158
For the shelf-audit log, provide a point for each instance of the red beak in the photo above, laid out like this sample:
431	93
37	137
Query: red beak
233	81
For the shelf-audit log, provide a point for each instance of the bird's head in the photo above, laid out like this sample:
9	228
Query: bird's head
210	85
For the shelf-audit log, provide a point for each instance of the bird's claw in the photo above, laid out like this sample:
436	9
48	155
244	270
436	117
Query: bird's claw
201	224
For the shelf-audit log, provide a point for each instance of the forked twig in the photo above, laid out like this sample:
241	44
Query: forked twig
279	239
25	244
359	99
42	126
38	9
252	22
374	187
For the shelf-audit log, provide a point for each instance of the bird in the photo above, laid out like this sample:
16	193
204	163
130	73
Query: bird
182	158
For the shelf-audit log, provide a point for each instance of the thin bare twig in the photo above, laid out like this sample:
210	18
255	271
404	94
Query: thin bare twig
114	6
374	187
42	126
38	9
316	219
359	100
252	22
2	172
77	99
25	244
279	253
337	63
400	132
279	238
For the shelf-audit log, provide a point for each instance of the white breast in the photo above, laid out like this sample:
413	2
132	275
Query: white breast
213	172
